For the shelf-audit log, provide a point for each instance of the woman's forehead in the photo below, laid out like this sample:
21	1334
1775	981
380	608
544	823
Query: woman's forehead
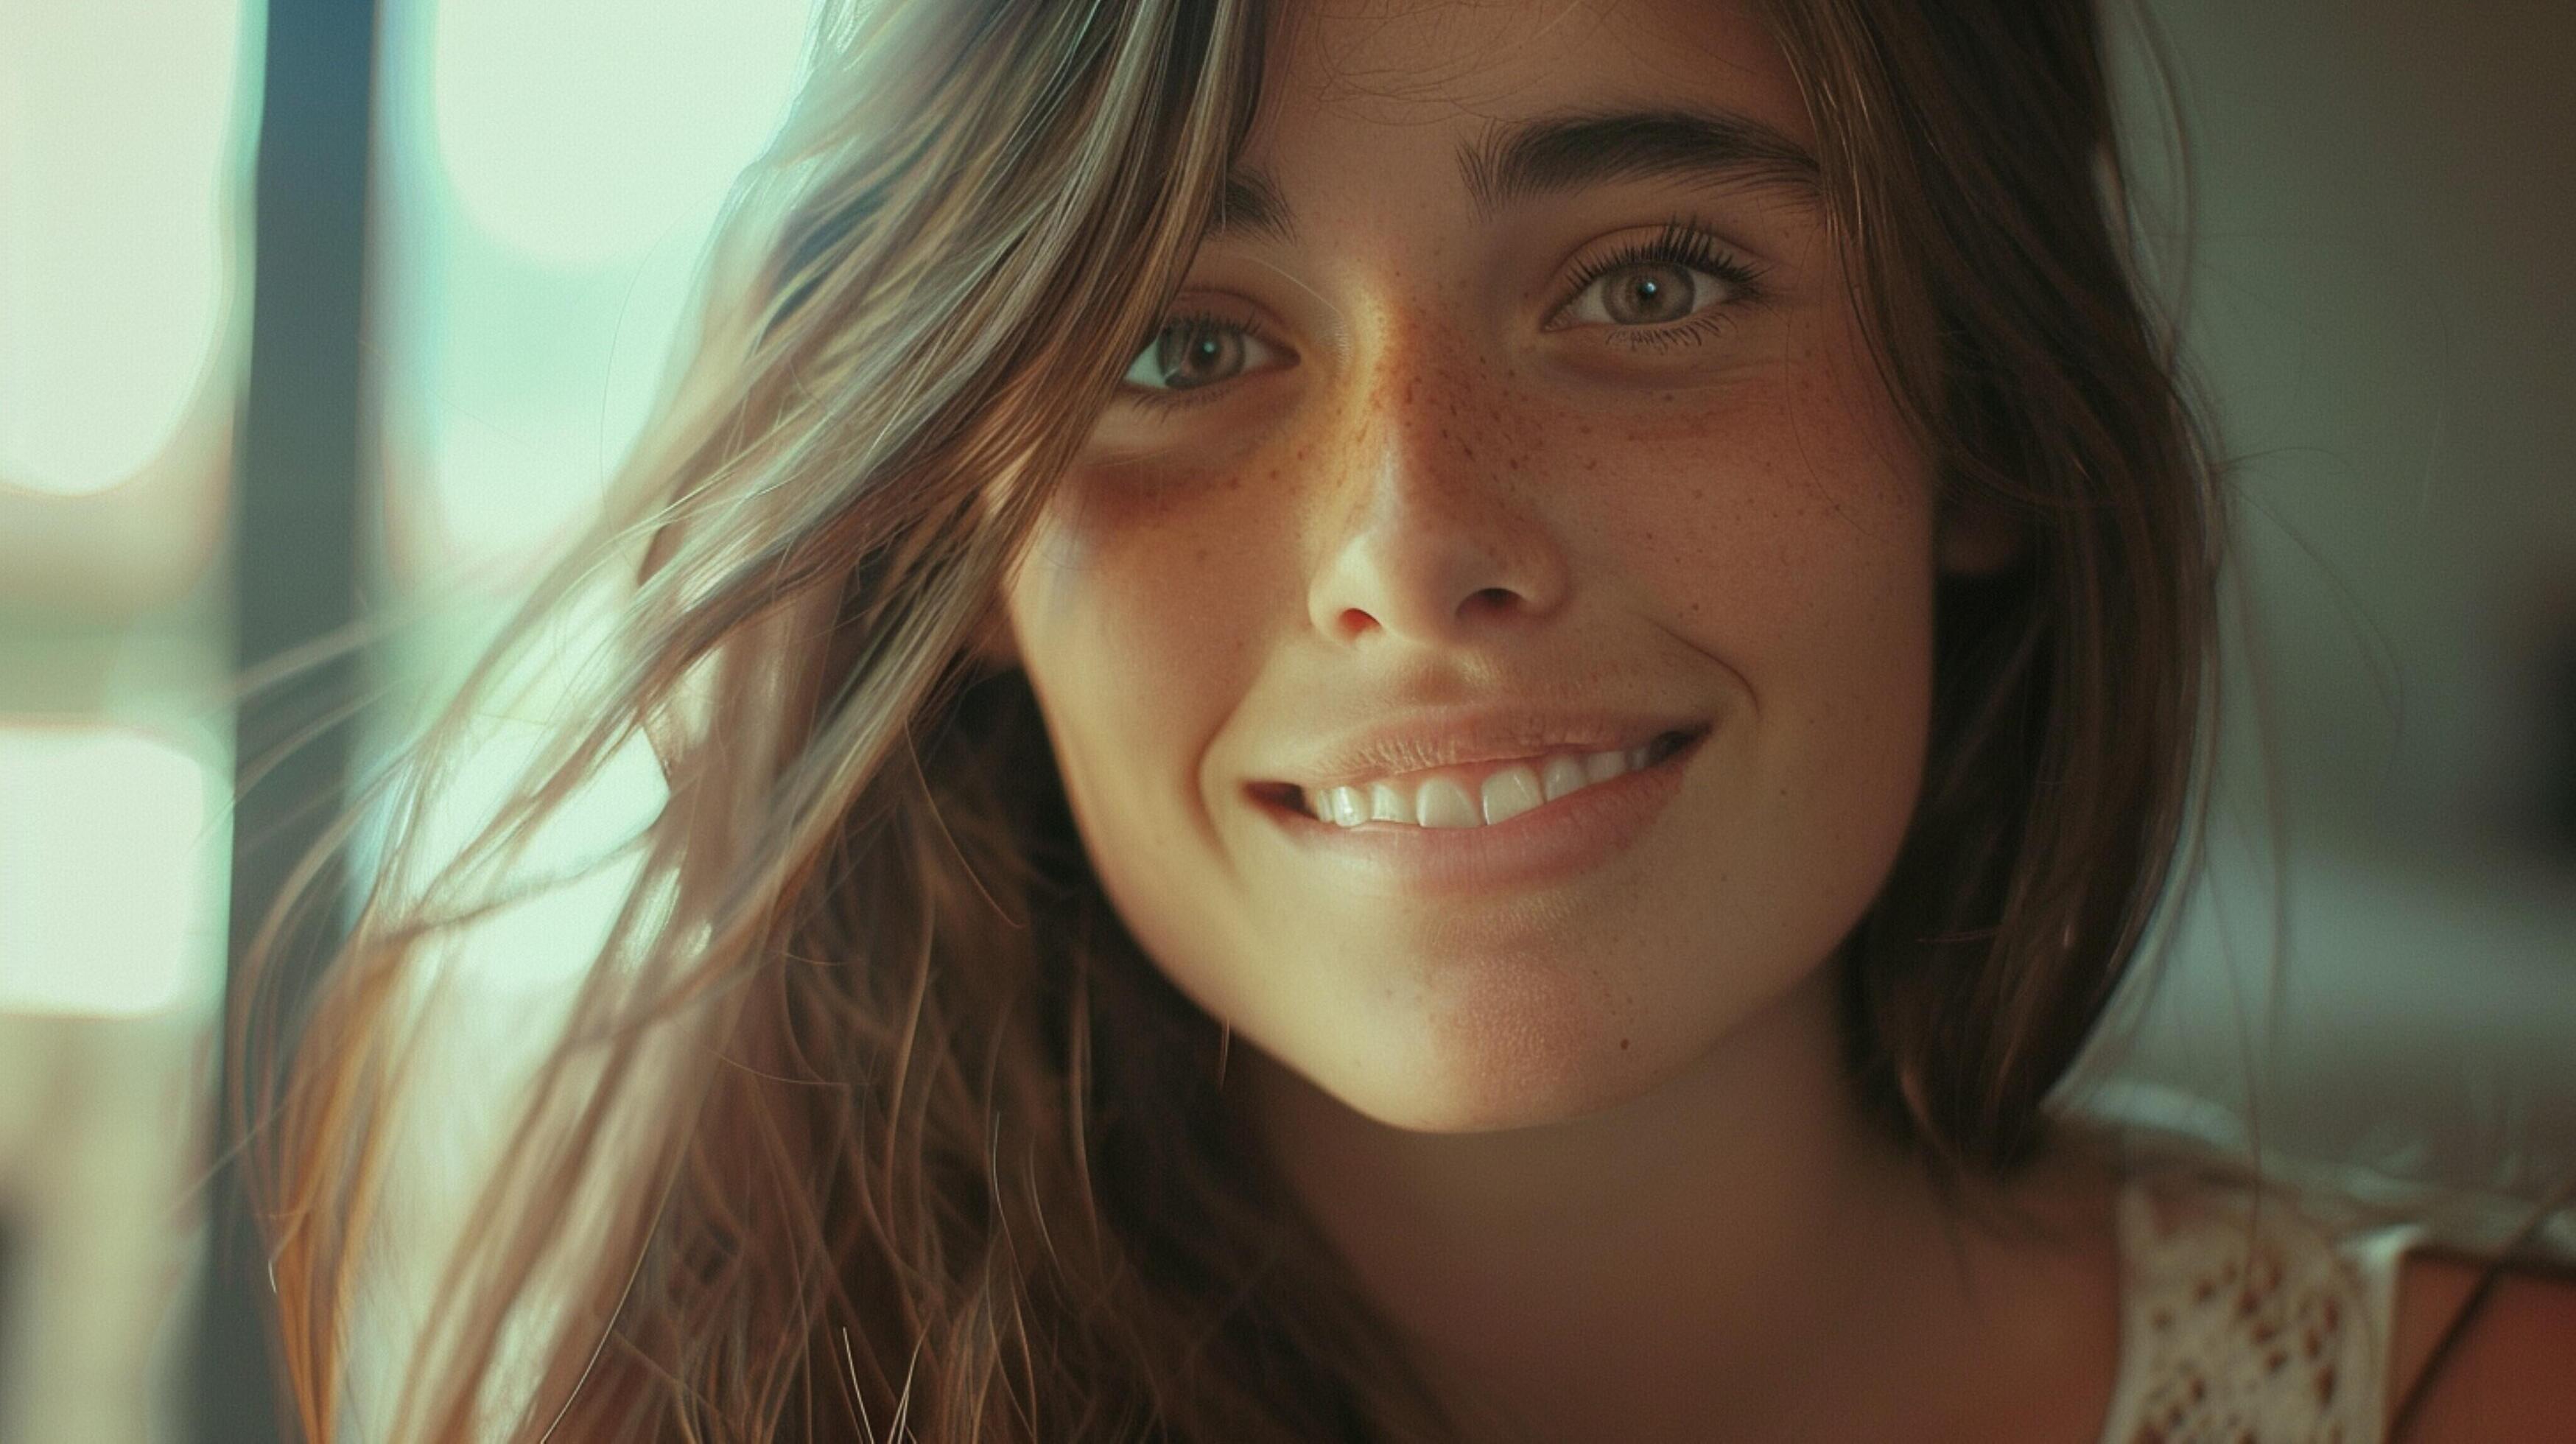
1453	114
1411	63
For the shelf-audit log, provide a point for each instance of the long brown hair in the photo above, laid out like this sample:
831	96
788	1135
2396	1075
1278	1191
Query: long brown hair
870	1119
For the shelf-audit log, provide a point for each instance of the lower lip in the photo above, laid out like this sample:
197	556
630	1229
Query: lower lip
1551	841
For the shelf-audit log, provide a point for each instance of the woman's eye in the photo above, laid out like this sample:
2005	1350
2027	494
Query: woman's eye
1190	353
1646	293
1643	292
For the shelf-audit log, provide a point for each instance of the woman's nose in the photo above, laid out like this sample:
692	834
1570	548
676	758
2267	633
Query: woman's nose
1436	531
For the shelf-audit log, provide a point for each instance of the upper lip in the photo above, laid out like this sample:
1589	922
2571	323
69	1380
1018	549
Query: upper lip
1416	741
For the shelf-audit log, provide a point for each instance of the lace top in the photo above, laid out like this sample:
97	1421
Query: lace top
2243	1318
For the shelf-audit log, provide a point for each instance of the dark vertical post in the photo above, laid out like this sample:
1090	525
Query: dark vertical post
294	562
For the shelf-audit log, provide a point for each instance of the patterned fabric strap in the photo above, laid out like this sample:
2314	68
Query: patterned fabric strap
2244	1319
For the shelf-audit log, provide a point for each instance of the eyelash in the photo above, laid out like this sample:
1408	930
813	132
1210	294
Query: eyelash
1682	242
1165	401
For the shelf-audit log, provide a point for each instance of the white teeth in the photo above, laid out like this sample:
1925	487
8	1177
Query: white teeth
1444	803
1511	792
1564	774
1347	807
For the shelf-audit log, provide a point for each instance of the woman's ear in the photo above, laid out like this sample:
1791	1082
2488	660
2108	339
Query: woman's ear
1977	537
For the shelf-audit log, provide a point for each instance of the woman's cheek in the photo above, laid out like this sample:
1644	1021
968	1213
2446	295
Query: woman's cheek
1777	530
1130	607
1755	514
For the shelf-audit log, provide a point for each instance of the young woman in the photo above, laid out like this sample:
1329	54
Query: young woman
1389	721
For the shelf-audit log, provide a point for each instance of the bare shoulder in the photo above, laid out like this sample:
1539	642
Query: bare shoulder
2512	1373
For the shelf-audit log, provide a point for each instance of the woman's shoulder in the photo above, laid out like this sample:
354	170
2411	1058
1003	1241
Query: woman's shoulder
2508	1369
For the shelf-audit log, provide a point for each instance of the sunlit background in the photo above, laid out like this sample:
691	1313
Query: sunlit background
2379	971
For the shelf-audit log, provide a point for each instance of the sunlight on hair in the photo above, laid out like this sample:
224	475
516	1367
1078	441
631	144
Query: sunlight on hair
111	872
581	130
543	942
116	160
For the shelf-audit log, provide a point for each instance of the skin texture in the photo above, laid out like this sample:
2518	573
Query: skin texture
1588	1139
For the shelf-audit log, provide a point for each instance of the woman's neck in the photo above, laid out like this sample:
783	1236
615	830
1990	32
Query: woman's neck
1734	1253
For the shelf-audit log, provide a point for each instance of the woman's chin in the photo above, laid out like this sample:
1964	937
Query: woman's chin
1440	1077
1530	1047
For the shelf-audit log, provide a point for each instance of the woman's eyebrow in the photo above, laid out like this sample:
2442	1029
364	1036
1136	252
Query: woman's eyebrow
1566	151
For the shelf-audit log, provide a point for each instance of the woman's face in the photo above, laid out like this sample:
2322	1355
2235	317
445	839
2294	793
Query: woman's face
1518	417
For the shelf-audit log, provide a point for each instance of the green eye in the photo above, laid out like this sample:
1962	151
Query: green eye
1680	276
1195	351
1647	293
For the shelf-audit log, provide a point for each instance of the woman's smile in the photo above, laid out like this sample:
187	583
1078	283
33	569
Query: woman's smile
1479	794
1521	829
